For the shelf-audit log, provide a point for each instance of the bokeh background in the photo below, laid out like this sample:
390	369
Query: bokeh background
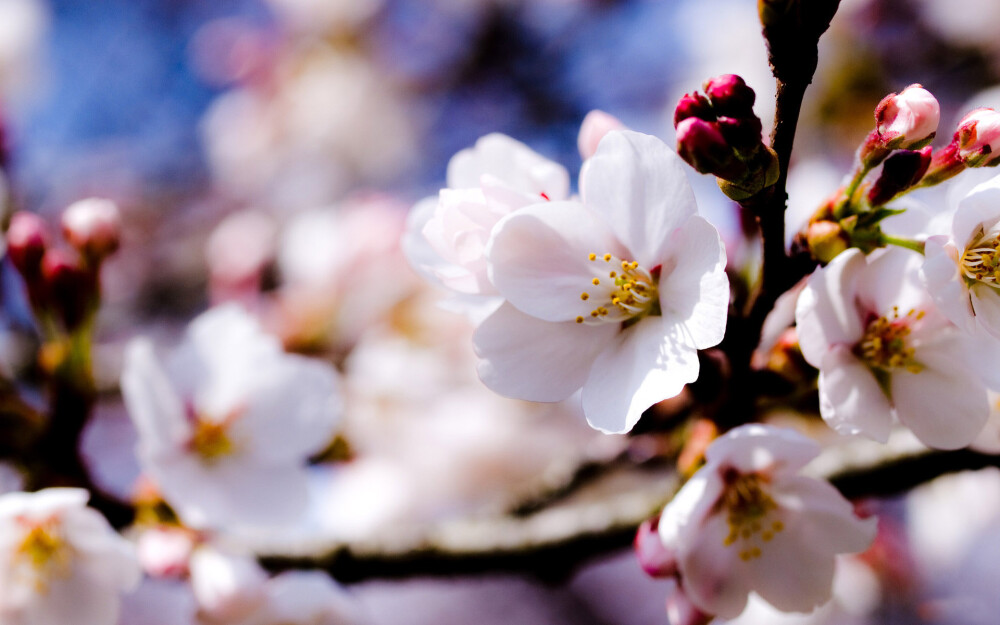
252	144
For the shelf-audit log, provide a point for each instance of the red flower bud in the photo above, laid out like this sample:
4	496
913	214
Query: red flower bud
730	96
71	288
703	147
654	558
27	240
901	171
693	105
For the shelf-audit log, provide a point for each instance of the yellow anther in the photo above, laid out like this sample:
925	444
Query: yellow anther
607	258
584	296
612	274
579	319
592	256
596	281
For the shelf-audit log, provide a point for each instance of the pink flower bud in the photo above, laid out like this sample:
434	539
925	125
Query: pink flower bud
165	551
27	240
654	558
910	117
93	227
901	171
978	137
681	611
703	147
730	96
595	125
693	105
70	286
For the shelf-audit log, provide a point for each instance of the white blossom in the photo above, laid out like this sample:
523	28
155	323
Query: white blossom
227	423
60	561
748	522
613	295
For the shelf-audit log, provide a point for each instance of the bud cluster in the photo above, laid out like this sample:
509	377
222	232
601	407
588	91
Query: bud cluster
719	134
974	144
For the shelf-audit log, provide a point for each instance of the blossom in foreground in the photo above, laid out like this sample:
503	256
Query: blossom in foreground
748	522
613	295
962	269
227	422
446	238
60	561
884	351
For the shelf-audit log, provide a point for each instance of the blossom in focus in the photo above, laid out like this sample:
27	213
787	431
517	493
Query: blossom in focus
485	183
978	137
962	269
60	561
595	125
748	522
909	118
228	421
884	351
613	295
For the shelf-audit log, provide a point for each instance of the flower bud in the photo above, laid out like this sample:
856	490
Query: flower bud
70	287
595	125
93	227
703	147
681	611
693	105
743	134
826	240
27	240
901	171
978	138
908	119
654	558
730	96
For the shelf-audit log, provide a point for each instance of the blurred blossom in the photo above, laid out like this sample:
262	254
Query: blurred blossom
60	561
160	602
324	16
164	551
237	253
10	479
227	422
23	26
228	586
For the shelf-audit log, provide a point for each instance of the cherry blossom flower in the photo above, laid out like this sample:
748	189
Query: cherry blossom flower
486	182
227	423
60	561
748	522
907	118
962	269
884	351
614	295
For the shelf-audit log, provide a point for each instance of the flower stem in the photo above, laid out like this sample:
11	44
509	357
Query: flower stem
910	244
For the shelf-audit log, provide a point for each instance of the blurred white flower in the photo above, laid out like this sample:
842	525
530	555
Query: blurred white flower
23	26
60	561
227	423
748	522
614	295
229	587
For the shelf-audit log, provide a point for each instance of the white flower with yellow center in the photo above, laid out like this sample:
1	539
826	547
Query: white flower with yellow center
613	295
60	561
446	236
884	351
227	424
962	269
748	522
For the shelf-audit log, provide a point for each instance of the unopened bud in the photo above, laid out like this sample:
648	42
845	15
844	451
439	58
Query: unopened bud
900	171
908	119
27	240
743	134
826	239
681	611
978	138
71	288
654	557
93	227
595	125
730	96
693	105
703	147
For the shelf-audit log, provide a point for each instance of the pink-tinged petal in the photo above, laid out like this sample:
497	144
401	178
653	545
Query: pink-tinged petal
892	279
539	259
643	365
825	313
689	508
980	208
526	358
982	352
694	288
512	162
72	599
154	406
713	575
827	520
639	185
986	305
594	127
850	399
945	404
753	448
417	250
942	280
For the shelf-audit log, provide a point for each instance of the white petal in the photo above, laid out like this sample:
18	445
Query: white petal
892	278
713	575
421	255
850	399
689	508
986	304
825	313
694	288
827	520
645	364
639	185
513	163
943	281
527	358
153	405
753	448
539	259
945	404
981	207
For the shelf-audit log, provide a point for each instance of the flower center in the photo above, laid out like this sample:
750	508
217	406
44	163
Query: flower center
621	290
981	261
210	441
44	549
750	513
884	345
